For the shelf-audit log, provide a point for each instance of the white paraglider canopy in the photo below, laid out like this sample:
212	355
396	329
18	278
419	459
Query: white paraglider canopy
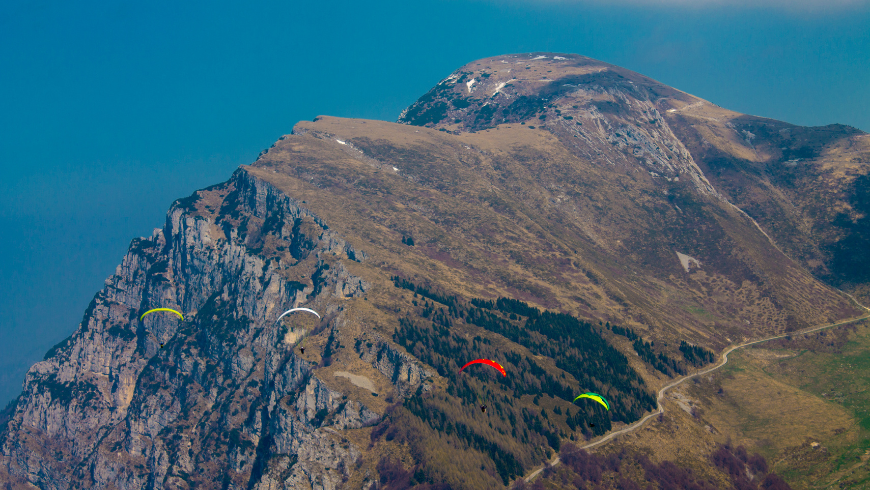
309	310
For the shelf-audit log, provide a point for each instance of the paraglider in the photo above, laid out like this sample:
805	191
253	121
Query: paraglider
596	397
151	335
155	310
309	310
490	363
161	309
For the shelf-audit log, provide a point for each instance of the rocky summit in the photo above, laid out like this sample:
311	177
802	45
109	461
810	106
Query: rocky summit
586	227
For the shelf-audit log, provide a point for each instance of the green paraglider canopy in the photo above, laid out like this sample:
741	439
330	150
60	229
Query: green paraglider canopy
595	396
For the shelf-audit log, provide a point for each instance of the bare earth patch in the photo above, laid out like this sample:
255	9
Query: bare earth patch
767	354
357	380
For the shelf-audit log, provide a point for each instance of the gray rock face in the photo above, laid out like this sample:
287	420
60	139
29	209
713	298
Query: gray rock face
406	374
218	399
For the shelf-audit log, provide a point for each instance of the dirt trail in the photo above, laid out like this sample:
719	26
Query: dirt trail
724	360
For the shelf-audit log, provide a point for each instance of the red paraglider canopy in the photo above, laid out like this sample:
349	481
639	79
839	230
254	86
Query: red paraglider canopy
487	362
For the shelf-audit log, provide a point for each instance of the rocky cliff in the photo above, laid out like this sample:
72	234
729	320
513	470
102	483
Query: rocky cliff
220	396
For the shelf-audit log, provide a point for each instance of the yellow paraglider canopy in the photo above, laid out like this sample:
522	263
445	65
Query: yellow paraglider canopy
595	396
161	309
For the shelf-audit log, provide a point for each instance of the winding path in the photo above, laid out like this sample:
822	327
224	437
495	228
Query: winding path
724	360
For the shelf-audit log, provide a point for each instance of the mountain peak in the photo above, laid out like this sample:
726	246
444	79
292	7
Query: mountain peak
523	87
599	111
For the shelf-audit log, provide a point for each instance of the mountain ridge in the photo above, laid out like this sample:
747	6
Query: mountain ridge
427	239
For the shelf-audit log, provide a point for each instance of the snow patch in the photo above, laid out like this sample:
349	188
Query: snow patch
559	58
672	110
396	169
688	262
500	86
539	57
340	142
469	84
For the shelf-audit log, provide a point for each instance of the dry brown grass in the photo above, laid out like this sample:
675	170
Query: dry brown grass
489	218
760	408
799	408
510	211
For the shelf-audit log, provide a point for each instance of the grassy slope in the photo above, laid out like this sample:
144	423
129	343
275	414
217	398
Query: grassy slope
780	400
480	209
490	218
805	186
